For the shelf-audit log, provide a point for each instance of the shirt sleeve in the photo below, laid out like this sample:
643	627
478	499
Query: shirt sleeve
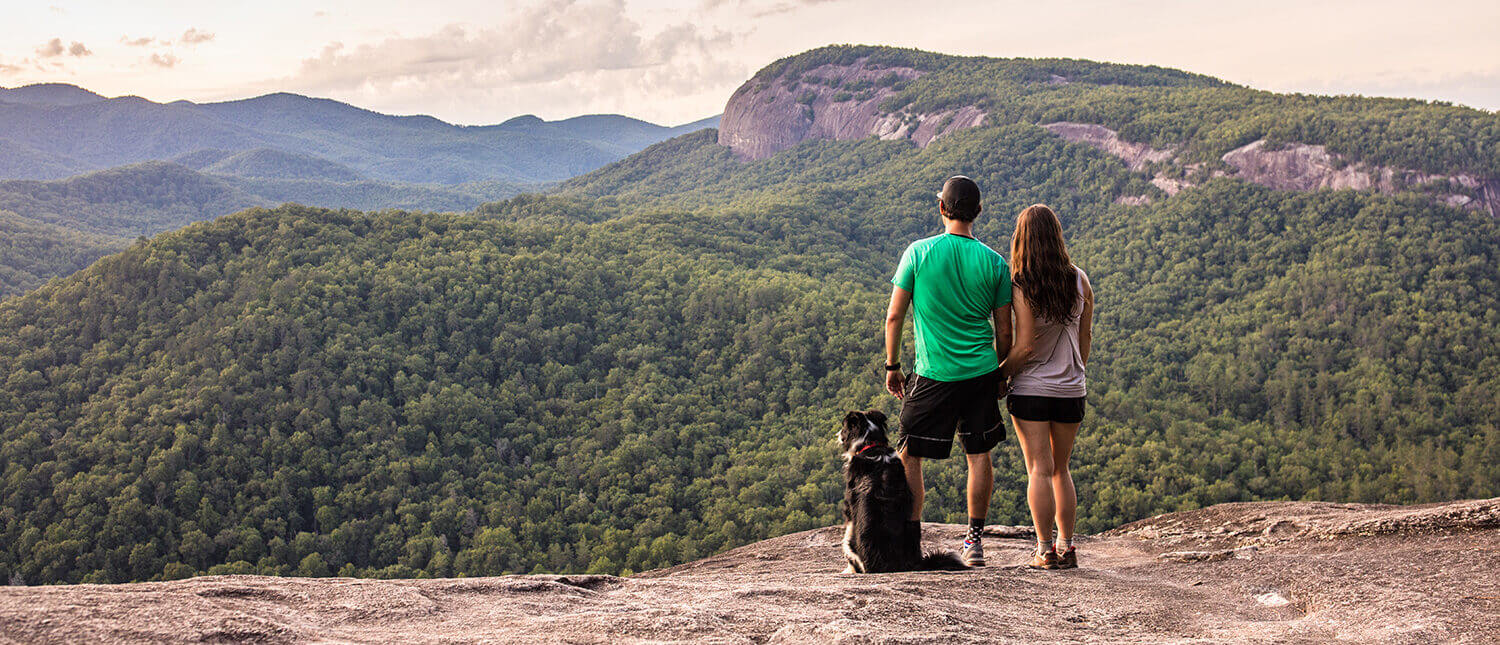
906	271
1002	286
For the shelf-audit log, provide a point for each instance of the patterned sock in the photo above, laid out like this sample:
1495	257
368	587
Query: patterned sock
976	529
1043	544
1065	544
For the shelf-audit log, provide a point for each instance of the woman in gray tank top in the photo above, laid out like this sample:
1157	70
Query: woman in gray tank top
1054	310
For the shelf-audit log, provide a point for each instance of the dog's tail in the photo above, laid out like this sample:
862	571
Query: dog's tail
941	561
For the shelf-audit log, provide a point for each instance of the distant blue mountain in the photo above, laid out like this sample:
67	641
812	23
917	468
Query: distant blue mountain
56	130
48	94
156	196
267	163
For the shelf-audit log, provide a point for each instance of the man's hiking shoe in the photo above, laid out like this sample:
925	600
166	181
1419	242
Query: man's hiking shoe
972	554
1068	559
1046	560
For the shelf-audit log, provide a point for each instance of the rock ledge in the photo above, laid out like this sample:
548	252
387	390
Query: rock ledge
1272	572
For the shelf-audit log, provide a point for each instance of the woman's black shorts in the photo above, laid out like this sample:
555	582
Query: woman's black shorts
1046	408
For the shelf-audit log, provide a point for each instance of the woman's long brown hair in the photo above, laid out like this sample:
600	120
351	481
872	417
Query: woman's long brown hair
1040	267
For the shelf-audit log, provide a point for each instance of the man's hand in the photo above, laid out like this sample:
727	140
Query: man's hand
1004	388
895	383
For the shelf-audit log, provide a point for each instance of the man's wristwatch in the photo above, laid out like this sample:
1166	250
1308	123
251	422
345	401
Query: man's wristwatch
893	367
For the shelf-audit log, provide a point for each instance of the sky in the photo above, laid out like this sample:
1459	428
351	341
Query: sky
477	62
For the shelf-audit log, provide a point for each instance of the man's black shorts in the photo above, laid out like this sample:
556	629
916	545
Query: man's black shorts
933	410
1046	408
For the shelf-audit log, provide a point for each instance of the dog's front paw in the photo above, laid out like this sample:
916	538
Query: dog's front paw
849	569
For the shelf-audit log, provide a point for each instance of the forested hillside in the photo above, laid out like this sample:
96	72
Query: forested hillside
154	197
132	201
648	364
90	215
32	252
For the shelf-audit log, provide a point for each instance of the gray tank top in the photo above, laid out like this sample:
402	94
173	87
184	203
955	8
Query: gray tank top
1056	368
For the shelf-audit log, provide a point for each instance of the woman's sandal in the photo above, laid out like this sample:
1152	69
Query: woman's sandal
1046	560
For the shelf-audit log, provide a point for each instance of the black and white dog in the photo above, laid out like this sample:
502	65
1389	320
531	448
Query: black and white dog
878	536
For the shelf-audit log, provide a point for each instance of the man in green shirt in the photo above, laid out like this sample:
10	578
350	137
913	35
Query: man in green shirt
955	286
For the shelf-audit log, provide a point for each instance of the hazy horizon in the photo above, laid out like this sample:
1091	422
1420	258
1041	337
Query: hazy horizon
470	62
399	114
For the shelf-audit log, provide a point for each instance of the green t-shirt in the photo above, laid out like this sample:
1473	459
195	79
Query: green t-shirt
955	284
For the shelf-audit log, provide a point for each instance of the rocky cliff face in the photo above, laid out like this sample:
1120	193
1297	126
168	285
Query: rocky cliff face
1273	572
1135	155
830	102
1295	166
1307	167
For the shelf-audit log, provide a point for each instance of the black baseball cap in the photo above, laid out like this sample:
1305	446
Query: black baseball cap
960	195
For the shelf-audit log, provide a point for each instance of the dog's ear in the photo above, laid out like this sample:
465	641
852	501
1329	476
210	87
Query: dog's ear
853	417
877	416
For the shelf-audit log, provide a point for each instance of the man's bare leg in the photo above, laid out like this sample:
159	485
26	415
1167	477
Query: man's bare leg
981	485
913	467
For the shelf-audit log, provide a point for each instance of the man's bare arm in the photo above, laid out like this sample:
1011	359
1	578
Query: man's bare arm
1021	349
1002	332
895	318
1002	341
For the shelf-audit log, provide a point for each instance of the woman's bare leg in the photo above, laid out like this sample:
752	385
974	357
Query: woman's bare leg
1036	446
1063	494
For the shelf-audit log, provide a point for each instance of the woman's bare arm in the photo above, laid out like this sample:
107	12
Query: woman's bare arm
1086	321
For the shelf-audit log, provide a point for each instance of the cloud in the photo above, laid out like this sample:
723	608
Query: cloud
190	37
51	48
165	59
55	47
544	43
762	8
194	37
569	55
787	7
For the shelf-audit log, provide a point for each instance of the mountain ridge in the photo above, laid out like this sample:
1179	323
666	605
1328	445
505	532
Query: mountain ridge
851	92
84	135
